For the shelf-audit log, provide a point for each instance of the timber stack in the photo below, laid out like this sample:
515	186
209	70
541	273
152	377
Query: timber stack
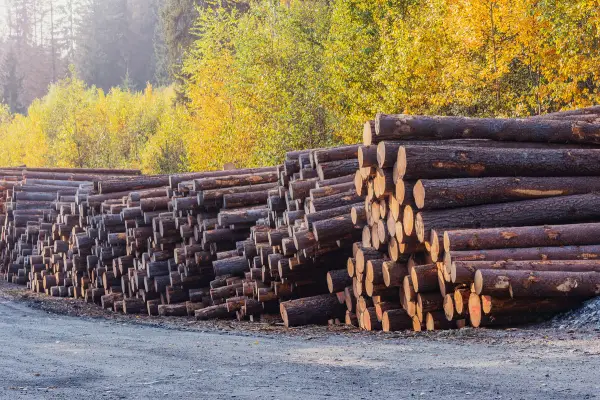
477	222
431	223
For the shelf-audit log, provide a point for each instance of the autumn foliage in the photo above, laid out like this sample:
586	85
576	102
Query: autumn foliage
260	81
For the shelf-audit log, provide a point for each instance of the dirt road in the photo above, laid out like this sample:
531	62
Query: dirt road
45	355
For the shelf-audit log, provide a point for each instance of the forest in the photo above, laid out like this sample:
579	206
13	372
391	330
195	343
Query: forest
177	85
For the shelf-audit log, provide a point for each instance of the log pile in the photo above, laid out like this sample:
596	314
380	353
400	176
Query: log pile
481	222
431	223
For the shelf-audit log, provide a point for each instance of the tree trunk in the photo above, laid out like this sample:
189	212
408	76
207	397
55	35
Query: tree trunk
237	200
340	153
207	184
231	266
335	201
315	310
530	283
432	194
574	208
432	162
335	169
242	216
406	127
214	197
522	237
463	272
338	280
333	229
396	320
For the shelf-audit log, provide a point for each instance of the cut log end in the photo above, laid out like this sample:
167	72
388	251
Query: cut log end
475	313
419	194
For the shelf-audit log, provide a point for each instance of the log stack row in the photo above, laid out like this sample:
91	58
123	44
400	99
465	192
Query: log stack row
475	221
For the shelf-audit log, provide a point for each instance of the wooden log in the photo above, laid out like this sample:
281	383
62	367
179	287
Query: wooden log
536	283
574	208
369	320
333	228
430	194
396	320
405	127
237	200
235	181
363	255
215	197
522	237
436	320
428	302
133	305
315	310
152	306
339	153
463	272
213	312
495	305
338	280
335	169
310	219
430	162
374	272
424	277
394	273
590	252
172	310
250	215
335	201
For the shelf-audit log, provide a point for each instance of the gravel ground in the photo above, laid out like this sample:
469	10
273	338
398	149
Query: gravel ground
62	348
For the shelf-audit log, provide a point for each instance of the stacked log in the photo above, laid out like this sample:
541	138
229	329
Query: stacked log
467	226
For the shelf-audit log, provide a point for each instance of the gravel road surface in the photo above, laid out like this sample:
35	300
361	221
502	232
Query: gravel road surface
46	355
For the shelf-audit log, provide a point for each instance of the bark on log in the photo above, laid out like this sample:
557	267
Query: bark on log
396	320
206	184
335	201
335	169
404	127
237	200
333	228
520	213
424	277
133	306
522	237
231	266
591	252
213	312
242	216
172	310
431	162
433	194
321	156
463	272
537	283
310	219
338	280
495	305
315	310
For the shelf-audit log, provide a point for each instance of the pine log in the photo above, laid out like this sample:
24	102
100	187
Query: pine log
231	266
321	156
335	201
396	320
432	194
430	162
463	272
522	237
338	280
250	215
574	208
335	169
536	283
424	277
213	312
172	310
590	252
229	181
245	199
133	306
406	127
495	305
311	310
333	228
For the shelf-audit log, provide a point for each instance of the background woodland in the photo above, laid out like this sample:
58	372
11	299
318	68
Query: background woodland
175	85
